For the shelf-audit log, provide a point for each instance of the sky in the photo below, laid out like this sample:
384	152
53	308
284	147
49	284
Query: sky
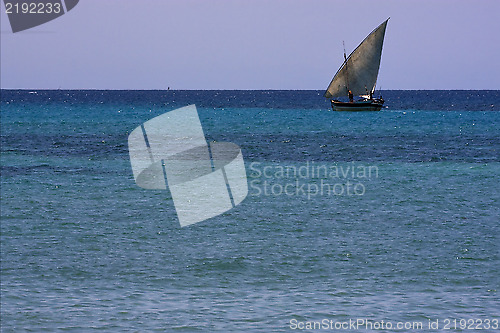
252	44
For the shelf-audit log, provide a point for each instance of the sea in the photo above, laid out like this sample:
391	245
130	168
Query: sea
382	221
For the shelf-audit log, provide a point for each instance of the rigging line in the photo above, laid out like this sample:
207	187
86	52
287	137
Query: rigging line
346	70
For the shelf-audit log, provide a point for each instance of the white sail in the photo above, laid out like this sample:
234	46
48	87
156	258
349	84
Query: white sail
359	73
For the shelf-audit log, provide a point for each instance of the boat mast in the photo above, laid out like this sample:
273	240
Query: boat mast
347	74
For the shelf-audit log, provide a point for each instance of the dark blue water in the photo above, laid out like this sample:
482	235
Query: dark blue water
84	248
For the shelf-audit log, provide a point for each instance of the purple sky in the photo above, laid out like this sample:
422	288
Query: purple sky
253	44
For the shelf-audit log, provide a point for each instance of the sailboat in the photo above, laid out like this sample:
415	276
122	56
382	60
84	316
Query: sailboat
358	75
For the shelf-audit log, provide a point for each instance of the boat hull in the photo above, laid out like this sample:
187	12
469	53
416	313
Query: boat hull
366	105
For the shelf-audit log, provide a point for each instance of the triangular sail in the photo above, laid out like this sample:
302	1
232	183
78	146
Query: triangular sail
359	73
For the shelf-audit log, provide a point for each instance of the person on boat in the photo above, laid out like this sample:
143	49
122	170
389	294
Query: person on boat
351	97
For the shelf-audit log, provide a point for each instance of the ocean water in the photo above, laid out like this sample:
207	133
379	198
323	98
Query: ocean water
387	217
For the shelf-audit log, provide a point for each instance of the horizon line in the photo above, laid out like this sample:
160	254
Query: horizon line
95	89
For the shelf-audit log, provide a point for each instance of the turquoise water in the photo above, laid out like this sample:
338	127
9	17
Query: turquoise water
83	248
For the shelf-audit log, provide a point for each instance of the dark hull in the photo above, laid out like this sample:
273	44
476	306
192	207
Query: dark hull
365	105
